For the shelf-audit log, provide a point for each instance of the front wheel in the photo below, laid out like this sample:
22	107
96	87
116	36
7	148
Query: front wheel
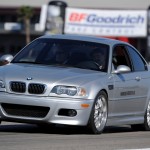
98	115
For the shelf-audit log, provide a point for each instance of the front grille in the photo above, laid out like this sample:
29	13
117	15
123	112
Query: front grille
19	87
36	88
25	110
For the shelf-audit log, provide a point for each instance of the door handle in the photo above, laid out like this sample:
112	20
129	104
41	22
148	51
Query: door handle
137	78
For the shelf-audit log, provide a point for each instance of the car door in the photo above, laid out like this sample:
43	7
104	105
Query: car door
130	89
140	70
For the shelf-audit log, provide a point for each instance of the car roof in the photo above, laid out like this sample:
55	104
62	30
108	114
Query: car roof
103	40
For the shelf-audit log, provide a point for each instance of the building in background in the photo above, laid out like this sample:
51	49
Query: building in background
12	32
115	19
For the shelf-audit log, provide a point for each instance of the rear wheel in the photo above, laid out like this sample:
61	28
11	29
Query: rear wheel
146	125
98	115
147	118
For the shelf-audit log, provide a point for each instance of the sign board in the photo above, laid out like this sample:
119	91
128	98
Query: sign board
12	26
129	23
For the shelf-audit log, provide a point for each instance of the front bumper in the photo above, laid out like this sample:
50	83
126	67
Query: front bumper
54	103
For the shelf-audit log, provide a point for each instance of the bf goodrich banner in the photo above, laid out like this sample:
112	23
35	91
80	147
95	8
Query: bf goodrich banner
130	23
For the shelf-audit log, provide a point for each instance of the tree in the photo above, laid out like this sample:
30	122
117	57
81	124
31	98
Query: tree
25	14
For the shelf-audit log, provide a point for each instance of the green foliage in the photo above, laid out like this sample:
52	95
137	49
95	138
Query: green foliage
25	12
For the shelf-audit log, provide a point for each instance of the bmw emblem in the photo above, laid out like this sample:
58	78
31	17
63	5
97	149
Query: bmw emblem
29	78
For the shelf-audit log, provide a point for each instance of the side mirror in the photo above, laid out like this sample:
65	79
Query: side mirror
5	59
122	69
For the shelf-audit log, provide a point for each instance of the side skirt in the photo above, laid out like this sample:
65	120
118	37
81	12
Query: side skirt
128	120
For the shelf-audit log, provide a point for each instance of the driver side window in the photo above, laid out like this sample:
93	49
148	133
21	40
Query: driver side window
120	57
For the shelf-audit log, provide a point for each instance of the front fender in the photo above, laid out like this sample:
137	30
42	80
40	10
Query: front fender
94	87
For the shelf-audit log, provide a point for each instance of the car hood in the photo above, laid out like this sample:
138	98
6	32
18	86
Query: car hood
48	74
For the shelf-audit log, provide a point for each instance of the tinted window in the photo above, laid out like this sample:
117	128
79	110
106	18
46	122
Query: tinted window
66	53
120	57
138	62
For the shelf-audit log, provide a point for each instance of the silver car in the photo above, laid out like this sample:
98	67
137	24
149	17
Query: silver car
76	80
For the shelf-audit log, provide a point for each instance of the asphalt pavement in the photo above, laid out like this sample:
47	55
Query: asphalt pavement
15	136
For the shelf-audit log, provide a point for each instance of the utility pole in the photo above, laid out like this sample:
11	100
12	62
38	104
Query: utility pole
55	17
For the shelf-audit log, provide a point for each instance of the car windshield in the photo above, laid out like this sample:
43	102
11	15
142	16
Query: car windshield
66	53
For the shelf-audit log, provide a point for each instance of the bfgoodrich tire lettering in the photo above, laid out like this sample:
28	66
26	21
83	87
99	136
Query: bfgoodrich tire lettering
98	115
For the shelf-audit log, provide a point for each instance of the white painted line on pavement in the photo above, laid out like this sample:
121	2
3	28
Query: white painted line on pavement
137	149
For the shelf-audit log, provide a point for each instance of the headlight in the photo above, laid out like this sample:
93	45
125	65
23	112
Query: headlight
68	90
2	86
59	89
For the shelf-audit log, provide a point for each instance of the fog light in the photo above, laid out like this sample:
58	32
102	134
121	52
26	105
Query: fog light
72	112
67	112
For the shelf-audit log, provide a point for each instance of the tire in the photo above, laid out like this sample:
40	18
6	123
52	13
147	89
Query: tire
147	118
98	117
146	125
